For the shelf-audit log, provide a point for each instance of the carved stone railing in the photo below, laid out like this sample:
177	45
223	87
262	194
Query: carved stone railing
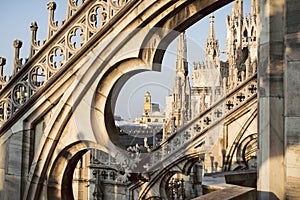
83	21
243	93
119	167
105	174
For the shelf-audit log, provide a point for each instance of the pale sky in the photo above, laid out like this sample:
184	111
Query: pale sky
17	15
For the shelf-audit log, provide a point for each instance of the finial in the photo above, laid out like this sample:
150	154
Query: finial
212	26
17	61
2	63
51	5
33	27
18	44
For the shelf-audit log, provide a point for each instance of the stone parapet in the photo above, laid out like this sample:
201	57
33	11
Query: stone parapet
228	191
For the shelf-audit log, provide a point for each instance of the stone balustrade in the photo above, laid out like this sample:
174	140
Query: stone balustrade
62	43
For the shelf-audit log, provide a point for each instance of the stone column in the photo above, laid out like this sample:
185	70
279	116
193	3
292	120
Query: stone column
279	97
14	159
292	99
271	173
198	177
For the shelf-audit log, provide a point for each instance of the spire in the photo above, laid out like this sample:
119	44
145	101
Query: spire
181	61
212	44
181	90
237	9
254	8
212	26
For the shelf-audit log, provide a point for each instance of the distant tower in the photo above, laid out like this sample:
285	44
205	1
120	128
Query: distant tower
181	109
147	103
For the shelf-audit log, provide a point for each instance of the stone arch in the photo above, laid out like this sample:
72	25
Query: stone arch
42	160
247	145
168	28
187	166
164	30
190	164
233	149
162	176
179	19
107	93
59	184
164	183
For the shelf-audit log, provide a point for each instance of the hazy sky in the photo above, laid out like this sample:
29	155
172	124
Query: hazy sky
17	15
